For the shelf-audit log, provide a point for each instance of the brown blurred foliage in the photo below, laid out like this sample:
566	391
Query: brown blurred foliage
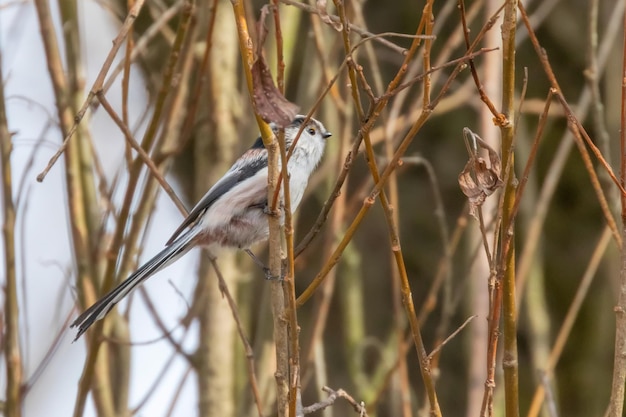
354	332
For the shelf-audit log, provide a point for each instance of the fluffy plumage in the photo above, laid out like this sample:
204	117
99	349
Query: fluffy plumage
231	214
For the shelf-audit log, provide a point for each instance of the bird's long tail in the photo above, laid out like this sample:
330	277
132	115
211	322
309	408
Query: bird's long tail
101	307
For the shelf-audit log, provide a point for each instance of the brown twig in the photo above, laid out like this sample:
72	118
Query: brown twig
507	262
430	300
550	181
616	402
404	388
97	85
254	386
150	391
143	155
289	279
11	337
598	113
147	142
198	91
165	332
130	44
531	158
351	155
178	391
392	165
502	299
449	338
570	319
426	26
543	57
141	46
80	200
281	336
582	137
134	175
335	19
333	395
499	118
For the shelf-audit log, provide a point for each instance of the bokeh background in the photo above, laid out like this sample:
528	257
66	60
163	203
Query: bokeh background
172	349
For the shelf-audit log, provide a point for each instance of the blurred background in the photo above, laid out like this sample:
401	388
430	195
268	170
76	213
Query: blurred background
178	85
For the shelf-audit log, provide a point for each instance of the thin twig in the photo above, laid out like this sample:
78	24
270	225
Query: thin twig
449	338
333	395
11	336
281	337
598	113
543	57
570	318
141	46
335	19
97	85
550	181
507	262
582	137
143	155
616	402
499	118
254	386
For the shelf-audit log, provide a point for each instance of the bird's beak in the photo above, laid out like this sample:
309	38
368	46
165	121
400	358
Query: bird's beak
327	135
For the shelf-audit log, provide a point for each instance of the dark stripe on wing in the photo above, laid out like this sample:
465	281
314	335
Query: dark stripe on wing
251	162
258	144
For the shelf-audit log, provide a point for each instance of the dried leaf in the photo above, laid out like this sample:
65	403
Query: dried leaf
478	180
321	9
268	101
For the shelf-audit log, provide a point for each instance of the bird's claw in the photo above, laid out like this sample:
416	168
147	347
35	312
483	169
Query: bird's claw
268	210
271	277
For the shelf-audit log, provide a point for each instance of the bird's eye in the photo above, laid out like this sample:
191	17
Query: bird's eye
311	131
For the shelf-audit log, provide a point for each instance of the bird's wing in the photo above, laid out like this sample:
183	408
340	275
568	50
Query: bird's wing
251	162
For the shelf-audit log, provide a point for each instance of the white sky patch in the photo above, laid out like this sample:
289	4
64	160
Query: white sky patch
45	271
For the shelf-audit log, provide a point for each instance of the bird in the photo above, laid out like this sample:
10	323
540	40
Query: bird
232	214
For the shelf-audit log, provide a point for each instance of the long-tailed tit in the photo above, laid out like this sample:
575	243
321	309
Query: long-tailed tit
233	213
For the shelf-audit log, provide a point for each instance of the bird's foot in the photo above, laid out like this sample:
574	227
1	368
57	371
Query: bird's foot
268	210
271	277
268	275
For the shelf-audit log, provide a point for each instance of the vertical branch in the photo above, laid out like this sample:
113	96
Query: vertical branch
289	279
593	75
65	114
114	368
13	357
130	44
290	288
479	293
616	404
76	85
41	6
570	318
135	170
147	142
403	397
281	334
392	227
429	22
213	151
507	272
79	213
